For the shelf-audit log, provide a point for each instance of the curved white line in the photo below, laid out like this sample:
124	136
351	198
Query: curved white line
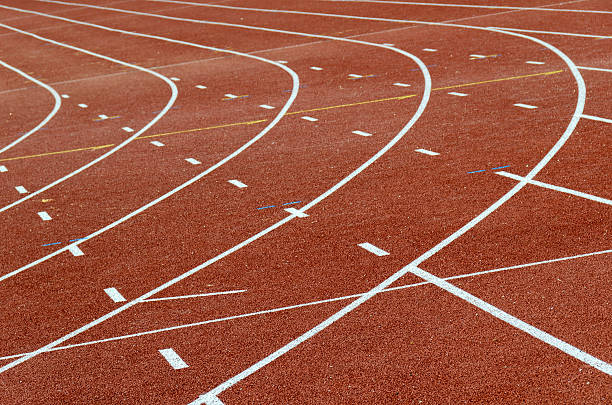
295	88
116	148
400	135
56	107
210	395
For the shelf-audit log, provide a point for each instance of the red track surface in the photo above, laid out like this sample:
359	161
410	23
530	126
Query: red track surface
419	344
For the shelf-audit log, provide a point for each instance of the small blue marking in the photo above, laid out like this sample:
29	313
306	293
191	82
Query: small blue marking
74	240
500	167
269	206
477	171
56	243
294	202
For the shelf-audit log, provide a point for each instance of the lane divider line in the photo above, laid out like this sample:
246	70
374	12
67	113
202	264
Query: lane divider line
183	297
594	118
556	188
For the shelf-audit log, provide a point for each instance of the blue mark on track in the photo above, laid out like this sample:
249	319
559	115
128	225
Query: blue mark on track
273	206
59	243
484	170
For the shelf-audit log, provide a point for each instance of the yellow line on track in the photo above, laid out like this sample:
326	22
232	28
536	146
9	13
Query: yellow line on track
291	113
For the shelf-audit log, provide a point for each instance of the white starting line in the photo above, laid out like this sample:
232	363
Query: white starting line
114	294
173	359
373	249
237	183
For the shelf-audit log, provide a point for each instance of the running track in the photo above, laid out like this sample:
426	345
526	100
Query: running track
261	201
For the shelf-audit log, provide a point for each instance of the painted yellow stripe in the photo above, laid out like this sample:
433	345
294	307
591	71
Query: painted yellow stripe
291	113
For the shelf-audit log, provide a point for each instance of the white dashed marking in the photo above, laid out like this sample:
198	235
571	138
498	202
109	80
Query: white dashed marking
281	61
74	249
83	105
199	86
296	212
229	95
103	117
307	118
401	84
237	183
157	143
193	161
454	93
430	50
114	294
267	107
127	129
386	44
533	62
3	169
373	249
427	152
475	55
21	189
173	359
315	68
353	75
44	216
528	106
362	133
65	96
175	79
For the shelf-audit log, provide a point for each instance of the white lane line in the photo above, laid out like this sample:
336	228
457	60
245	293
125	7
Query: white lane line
454	93
430	50
489	7
388	44
307	118
594	118
427	152
362	133
173	359
21	190
266	106
83	105
57	104
175	79
127	129
157	143
183	297
65	96
316	68
595	69
418	113
513	321
306	304
556	188
373	249
296	212
74	249
114	294
3	169
193	161
229	95
200	86
401	84
533	62
96	55
567	34
355	76
527	106
475	55
44	216
237	183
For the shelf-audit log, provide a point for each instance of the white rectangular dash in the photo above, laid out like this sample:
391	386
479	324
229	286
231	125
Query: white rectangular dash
355	75
388	44
401	84
229	95
373	249
296	212
454	93
475	55
21	189
307	118
237	183
103	117
3	169
127	129
175	79
157	143
528	106
430	50
362	133
533	62
83	105
281	61
316	68
44	216
114	294
65	96
74	249
193	161
588	117
427	152
200	86
174	359
267	107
